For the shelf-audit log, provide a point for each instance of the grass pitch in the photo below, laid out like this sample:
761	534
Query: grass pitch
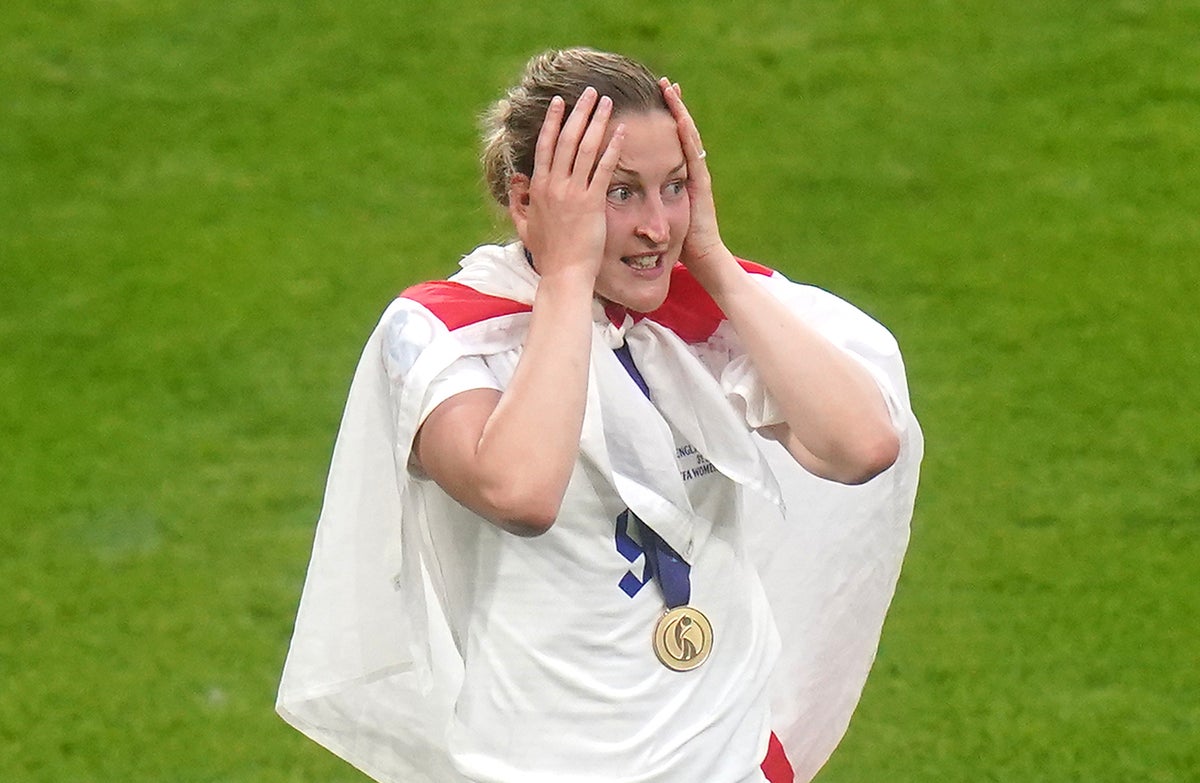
204	207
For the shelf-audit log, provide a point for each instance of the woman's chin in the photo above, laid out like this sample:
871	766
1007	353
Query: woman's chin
638	301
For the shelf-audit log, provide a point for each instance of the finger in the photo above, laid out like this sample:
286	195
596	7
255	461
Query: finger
688	124
608	161
568	139
689	134
543	152
689	121
593	139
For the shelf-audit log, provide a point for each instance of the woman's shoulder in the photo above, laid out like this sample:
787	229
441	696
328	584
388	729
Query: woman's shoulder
471	313
689	311
492	282
457	304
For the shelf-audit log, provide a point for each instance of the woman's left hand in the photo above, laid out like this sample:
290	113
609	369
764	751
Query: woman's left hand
702	247
836	421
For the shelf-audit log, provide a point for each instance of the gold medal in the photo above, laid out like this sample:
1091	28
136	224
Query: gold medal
683	638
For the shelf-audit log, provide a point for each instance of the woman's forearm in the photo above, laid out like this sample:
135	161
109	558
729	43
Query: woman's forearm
508	456
838	424
528	447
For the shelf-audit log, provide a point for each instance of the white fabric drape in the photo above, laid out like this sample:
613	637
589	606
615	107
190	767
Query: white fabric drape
372	672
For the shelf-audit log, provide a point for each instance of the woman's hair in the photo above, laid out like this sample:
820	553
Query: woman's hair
512	124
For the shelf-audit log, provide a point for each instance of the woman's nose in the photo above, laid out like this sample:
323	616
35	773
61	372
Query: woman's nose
653	223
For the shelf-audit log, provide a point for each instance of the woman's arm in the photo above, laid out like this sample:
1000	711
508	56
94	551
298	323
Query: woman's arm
509	456
837	423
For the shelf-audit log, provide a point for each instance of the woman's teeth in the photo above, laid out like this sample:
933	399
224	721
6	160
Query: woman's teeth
641	262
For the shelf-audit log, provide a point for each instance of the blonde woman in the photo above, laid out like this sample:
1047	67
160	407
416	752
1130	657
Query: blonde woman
555	544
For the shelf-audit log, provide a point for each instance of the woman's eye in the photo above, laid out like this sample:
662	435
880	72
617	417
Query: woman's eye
620	193
675	188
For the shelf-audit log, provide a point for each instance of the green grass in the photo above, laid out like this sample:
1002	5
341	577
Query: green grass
204	207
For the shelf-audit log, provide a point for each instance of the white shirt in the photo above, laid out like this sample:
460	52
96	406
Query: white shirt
560	679
374	671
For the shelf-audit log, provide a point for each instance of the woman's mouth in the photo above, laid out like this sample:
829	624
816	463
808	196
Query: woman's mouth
642	262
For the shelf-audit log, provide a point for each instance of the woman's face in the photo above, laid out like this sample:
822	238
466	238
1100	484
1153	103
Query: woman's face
647	214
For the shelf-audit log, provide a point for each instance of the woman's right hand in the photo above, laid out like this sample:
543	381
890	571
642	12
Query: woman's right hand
559	213
509	456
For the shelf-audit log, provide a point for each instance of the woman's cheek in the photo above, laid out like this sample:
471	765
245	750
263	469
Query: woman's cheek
682	216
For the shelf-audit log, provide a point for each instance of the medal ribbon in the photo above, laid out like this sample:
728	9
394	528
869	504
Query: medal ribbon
626	360
671	571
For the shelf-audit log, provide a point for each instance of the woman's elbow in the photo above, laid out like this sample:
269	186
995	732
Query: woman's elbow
873	456
525	513
526	525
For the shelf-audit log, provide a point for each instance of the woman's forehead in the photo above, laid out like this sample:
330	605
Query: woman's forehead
651	145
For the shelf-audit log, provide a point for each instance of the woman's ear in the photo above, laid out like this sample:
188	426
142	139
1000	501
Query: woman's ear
518	203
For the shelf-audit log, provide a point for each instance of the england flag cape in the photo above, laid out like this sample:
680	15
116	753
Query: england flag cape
373	669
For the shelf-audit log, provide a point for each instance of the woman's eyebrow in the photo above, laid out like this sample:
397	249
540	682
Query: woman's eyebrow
637	175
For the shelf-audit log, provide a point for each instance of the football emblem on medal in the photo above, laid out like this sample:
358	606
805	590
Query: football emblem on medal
683	638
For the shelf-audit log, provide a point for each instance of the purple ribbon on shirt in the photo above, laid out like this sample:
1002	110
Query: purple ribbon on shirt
663	563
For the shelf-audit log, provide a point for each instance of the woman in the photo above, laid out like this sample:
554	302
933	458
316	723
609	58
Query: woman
553	547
